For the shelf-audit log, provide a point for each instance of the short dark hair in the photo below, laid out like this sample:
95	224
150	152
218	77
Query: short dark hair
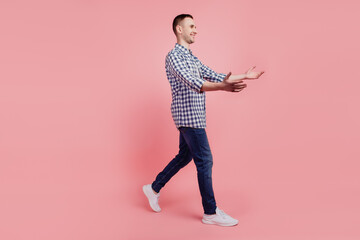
178	19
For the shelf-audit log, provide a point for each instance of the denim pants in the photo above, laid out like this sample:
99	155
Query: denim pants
193	144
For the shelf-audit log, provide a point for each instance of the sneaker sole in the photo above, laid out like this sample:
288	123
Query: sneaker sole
219	224
146	194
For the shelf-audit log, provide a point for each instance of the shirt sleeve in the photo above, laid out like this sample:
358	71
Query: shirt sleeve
210	74
177	66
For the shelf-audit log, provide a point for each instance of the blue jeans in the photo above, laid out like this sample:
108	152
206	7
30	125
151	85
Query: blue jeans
193	144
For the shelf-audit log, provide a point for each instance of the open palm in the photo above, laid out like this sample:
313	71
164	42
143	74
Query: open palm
253	75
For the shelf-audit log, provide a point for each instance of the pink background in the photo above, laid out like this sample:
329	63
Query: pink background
85	120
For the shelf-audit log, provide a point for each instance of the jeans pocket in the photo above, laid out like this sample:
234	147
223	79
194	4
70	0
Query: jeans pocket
183	129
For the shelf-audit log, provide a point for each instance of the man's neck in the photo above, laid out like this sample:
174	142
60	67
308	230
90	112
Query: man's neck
183	43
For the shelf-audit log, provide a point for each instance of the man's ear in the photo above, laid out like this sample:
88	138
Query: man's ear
179	28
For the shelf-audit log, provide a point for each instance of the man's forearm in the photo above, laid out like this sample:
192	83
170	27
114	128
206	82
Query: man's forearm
215	86
211	86
237	77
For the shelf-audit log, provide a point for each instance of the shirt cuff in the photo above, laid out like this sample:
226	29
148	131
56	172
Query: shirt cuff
221	76
198	84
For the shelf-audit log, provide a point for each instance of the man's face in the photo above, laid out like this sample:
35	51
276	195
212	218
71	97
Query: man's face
188	30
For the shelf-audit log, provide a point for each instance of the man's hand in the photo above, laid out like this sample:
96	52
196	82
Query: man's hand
232	85
252	75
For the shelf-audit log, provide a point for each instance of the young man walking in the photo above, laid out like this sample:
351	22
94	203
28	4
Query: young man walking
189	79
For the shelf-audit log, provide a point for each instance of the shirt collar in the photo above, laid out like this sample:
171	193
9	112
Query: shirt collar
183	49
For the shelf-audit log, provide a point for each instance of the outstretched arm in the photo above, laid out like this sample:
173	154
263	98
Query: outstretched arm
225	85
238	77
231	83
248	75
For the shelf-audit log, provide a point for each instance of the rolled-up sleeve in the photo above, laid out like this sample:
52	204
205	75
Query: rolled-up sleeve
179	68
210	74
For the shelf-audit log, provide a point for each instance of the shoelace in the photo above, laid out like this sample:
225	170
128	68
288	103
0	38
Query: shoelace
222	213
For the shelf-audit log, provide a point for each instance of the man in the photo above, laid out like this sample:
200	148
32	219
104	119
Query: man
189	79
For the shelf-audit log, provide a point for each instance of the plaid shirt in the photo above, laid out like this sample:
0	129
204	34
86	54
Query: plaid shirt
186	75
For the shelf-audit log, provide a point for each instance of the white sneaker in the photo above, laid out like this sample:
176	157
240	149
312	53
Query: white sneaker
152	197
220	218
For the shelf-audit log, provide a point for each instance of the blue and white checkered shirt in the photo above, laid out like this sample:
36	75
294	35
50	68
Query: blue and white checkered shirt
186	75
